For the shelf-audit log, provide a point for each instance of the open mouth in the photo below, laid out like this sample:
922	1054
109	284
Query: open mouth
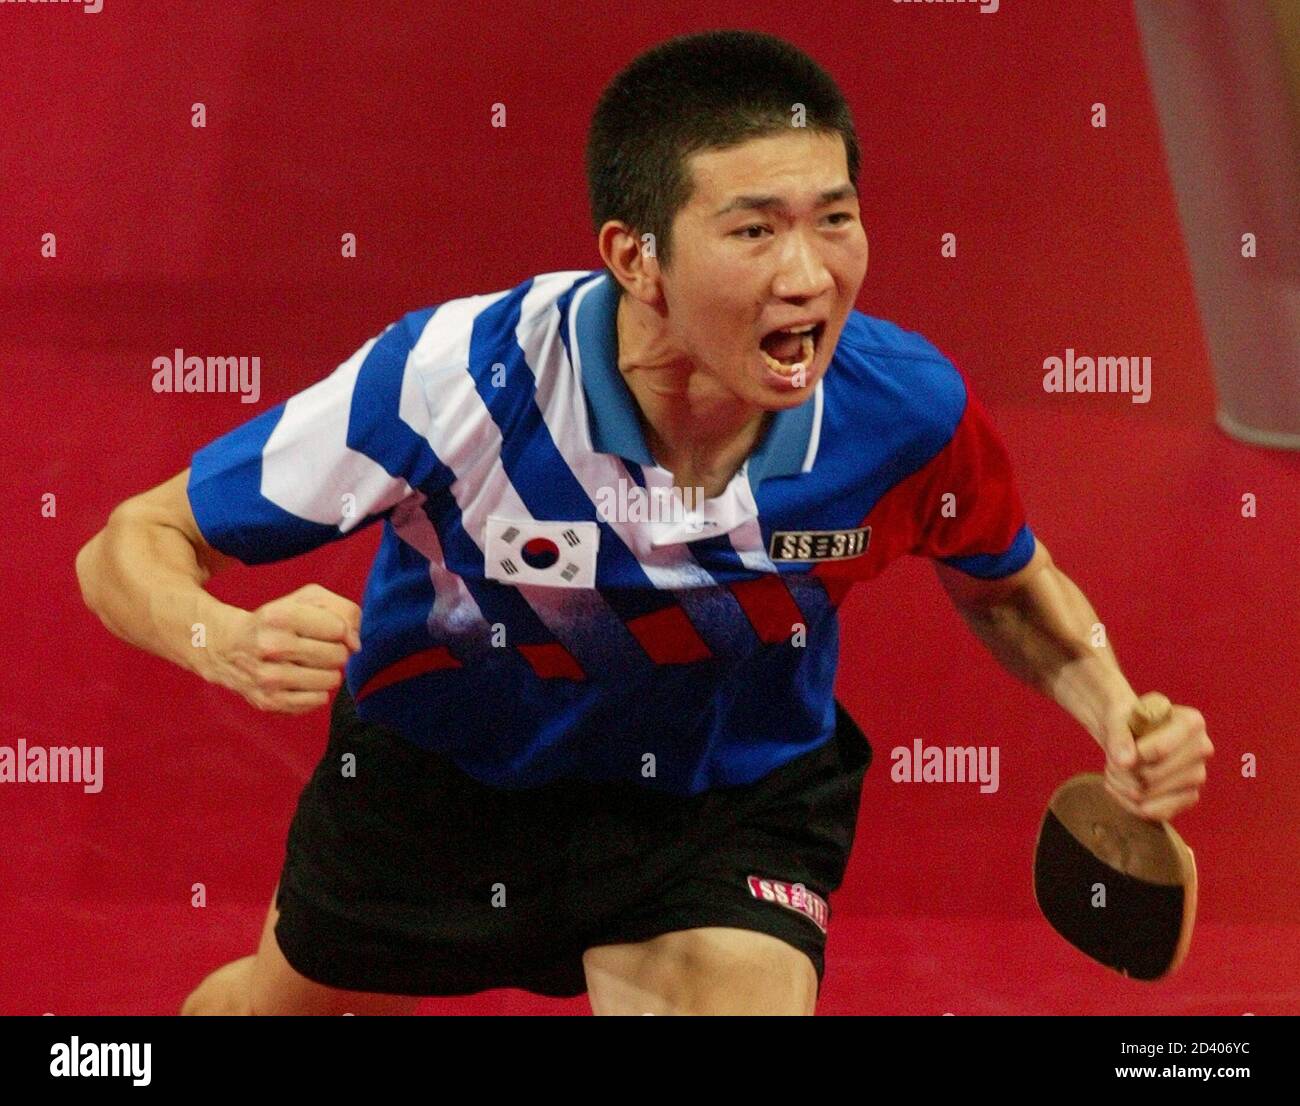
791	349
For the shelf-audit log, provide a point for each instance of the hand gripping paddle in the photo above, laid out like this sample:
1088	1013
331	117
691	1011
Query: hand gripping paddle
1118	887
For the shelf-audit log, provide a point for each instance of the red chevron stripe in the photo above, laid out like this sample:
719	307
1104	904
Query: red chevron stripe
429	660
552	661
668	637
770	608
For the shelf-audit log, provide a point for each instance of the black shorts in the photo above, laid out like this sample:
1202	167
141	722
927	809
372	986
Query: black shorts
410	877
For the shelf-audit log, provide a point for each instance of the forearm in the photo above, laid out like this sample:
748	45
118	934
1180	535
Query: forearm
1044	634
144	581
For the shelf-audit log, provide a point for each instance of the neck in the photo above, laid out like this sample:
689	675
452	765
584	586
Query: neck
695	429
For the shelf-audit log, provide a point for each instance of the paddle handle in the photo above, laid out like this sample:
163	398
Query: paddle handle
1148	712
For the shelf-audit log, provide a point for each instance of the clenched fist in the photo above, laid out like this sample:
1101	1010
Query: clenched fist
1161	773
288	655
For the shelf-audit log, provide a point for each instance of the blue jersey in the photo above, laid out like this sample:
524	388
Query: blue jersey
542	604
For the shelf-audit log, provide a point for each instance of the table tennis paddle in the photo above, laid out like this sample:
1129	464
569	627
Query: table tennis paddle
1120	888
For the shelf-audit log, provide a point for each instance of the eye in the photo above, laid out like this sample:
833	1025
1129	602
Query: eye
743	232
846	216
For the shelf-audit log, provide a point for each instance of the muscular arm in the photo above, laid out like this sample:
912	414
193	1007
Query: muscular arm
1041	627
143	575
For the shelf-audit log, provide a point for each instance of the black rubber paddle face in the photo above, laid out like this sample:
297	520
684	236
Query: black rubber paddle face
1136	932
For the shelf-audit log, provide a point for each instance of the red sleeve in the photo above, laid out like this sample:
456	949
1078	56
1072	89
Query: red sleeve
968	509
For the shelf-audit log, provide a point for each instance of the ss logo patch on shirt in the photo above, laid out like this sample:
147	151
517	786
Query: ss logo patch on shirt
819	545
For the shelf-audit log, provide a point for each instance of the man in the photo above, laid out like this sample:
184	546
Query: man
588	739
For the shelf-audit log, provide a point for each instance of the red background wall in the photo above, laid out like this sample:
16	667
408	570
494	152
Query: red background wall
375	119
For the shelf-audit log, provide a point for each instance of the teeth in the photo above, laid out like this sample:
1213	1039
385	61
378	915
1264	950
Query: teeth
806	356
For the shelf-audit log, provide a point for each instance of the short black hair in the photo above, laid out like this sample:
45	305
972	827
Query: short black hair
704	91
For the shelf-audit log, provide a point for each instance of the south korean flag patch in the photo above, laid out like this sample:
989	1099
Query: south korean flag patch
552	554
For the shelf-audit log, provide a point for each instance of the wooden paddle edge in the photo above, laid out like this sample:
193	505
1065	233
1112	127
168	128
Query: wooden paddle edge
1186	864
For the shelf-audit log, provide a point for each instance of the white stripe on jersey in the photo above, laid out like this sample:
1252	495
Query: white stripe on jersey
747	540
668	567
814	438
559	394
464	436
315	424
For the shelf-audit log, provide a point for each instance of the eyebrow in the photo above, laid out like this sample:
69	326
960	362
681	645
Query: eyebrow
763	203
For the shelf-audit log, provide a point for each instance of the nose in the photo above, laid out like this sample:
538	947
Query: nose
801	273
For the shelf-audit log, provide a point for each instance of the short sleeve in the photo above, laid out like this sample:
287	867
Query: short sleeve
326	462
970	513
